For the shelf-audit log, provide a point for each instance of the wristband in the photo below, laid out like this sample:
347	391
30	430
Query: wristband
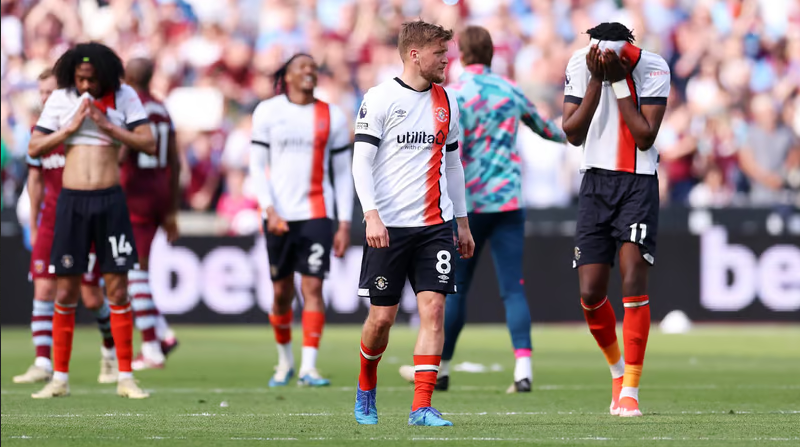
621	89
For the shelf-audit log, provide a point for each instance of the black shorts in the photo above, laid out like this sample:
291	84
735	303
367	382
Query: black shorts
615	207
96	218
424	255
305	248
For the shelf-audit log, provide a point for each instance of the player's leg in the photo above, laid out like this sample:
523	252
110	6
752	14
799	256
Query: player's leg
67	296
314	264
44	293
507	242
281	260
313	325
156	335
432	276
116	255
95	302
637	228
635	325
595	248
69	257
383	276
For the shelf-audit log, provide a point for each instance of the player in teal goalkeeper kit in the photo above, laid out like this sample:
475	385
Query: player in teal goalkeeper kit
491	109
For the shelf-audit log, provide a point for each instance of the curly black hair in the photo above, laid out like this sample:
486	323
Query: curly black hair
280	75
108	66
611	31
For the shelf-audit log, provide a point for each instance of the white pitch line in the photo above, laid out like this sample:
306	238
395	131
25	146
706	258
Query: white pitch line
391	389
390	414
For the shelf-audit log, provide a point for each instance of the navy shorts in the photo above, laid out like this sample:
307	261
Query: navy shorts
613	208
305	248
96	218
424	255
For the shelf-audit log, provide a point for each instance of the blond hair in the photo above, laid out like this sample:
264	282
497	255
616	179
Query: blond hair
420	34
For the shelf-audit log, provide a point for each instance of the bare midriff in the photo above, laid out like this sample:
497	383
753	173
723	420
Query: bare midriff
90	168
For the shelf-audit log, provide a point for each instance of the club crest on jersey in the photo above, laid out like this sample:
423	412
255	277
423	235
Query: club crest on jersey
381	283
441	114
67	261
38	266
363	111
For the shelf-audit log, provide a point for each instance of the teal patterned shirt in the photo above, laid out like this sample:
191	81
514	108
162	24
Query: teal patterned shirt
491	108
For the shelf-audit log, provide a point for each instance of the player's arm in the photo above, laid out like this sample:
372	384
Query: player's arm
581	96
645	123
136	134
48	135
173	161
531	118
36	195
369	130
138	137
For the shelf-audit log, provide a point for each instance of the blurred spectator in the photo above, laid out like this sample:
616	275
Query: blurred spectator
722	54
766	155
238	210
712	192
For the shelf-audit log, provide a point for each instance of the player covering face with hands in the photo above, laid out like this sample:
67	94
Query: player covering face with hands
410	182
296	140
615	96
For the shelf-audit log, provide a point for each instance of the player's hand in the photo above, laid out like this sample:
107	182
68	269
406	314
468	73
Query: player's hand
275	224
594	63
171	227
377	234
341	240
617	68
77	120
466	245
100	118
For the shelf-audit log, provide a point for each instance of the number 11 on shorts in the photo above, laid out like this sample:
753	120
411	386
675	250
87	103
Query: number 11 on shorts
122	246
642	231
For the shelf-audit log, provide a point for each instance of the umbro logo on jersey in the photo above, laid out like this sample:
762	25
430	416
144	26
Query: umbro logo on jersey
400	113
421	138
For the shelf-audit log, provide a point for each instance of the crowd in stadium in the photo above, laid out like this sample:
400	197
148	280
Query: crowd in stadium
730	136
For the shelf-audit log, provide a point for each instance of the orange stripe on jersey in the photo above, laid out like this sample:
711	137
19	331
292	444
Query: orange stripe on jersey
626	146
322	129
441	127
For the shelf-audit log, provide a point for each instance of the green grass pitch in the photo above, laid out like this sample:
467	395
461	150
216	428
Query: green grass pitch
716	386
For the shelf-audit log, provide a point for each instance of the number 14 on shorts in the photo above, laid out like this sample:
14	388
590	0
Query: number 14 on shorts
120	245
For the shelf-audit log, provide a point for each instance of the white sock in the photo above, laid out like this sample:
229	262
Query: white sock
444	368
61	376
163	331
523	369
630	391
618	369
124	375
152	351
44	363
108	353
309	361
285	357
